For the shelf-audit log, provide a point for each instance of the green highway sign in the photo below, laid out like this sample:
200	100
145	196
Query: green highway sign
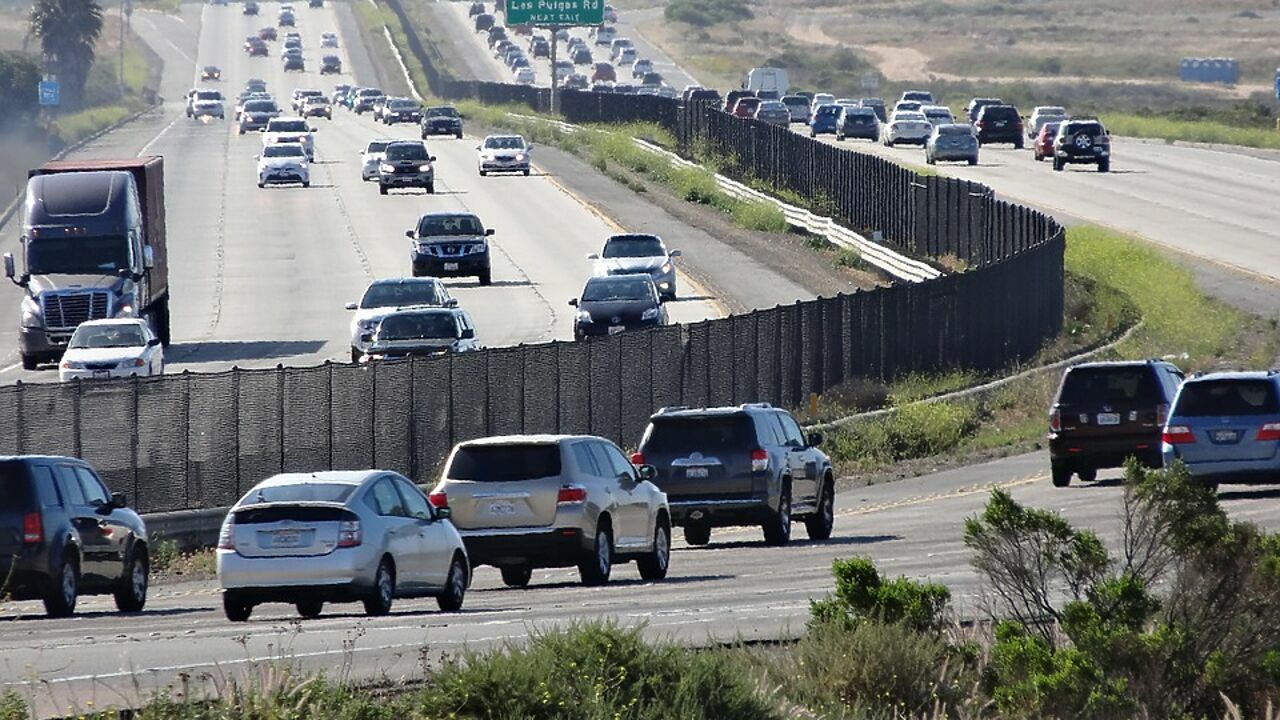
555	12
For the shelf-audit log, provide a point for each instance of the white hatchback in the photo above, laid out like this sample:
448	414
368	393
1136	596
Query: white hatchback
102	349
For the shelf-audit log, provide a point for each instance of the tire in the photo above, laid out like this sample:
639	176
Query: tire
1061	474
1088	475
356	354
526	172
310	609
455	587
236	608
653	566
517	576
30	362
973	161
888	143
819	525
1104	165
306	184
929	161
383	594
483	173
431	189
777	530
486	277
697	535
1058	165
1018	145
458	135
839	137
64	588
595	566
382	189
1039	157
262	185
131	594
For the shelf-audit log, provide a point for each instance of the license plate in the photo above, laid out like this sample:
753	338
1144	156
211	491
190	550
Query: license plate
102	373
696	472
1108	418
615	329
1225	436
502	508
451	266
285	538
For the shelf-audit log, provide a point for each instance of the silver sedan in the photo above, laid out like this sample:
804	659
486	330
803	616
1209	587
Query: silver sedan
365	536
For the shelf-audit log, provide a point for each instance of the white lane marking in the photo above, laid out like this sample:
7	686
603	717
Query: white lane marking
169	42
159	135
14	366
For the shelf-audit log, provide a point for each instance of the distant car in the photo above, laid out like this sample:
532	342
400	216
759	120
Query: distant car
524	76
999	124
256	114
626	56
339	94
365	99
504	153
820	99
938	115
904	106
857	122
286	19
315	3
773	112
531	501
798	106
576	81
703	95
825	120
101	349
907	127
247	97
250	8
610	14
562	69
268	33
421	332
746	107
63	534
290	130
923	97
450	244
365	536
476	8
976	104
483	22
292	43
1044	114
1043	145
210	72
1105	412
299	97
1225	427
443	120
257	47
294	63
255	85
631	253
386	295
617	303
406	163
400	110
330	65
206	103
285	163
371	157
539	47
328	40
581	56
1082	140
317	107
605	36
951	142
640	67
379	104
875	104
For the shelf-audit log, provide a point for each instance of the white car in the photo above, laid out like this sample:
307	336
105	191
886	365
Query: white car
938	115
328	40
820	99
631	253
300	95
387	295
503	153
100	349
640	67
289	130
525	76
371	158
284	163
1044	114
907	127
206	103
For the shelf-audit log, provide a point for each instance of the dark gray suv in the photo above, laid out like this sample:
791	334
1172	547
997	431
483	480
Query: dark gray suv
62	535
743	465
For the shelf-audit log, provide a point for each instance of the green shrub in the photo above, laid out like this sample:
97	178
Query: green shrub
759	215
861	595
12	706
703	13
695	184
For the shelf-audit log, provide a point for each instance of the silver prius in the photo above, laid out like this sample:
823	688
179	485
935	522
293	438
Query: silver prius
309	538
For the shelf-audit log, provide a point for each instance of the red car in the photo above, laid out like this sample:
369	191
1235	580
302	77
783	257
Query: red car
604	72
1044	141
746	107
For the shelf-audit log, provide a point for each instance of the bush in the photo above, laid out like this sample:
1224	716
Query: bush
912	431
12	706
862	595
703	13
759	215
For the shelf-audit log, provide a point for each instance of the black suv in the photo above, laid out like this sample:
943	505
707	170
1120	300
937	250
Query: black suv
62	535
1082	140
999	124
1105	412
450	244
441	120
743	465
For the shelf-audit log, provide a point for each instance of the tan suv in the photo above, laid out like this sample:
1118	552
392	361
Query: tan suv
534	501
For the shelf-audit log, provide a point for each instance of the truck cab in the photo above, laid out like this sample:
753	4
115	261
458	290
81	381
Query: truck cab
93	248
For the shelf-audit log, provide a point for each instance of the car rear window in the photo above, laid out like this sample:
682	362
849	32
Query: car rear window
999	111
683	436
504	463
1109	385
15	487
1228	397
300	492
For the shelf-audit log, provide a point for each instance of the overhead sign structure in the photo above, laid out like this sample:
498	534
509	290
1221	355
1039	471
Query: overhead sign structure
49	92
555	12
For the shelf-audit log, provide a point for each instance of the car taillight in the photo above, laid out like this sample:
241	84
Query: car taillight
1269	432
1162	414
1178	435
32	528
759	461
349	533
438	499
1055	420
570	494
637	459
979	123
227	535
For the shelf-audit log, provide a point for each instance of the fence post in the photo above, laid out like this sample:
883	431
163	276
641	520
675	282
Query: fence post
133	439
186	419
328	364
235	412
413	420
280	411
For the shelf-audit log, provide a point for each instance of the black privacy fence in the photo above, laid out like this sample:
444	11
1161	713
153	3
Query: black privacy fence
200	440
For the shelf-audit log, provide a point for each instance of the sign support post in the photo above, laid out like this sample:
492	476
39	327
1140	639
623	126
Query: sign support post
555	86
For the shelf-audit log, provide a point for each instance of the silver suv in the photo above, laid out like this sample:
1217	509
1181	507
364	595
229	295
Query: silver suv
529	501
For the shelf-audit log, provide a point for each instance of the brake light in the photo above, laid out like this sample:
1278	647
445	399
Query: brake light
637	459
570	494
32	528
1055	420
759	461
1269	432
1162	414
349	533
438	499
1178	435
227	535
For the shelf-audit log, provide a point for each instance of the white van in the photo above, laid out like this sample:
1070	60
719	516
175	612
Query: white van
765	80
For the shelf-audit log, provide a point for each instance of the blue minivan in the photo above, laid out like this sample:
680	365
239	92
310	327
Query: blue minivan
824	120
1225	427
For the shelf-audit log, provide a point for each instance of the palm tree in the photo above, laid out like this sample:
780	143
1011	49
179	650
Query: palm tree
68	31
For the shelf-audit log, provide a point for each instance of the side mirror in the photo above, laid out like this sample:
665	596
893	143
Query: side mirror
488	232
119	500
573	302
815	439
350	306
444	513
432	158
9	269
675	253
477	147
469	334
408	234
593	256
451	302
148	257
153	342
313	128
647	472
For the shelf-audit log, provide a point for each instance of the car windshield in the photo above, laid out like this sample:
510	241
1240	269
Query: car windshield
443	225
506	142
399	294
289	126
909	117
208	95
504	463
108	336
828	110
955	130
402	104
377	146
93	255
937	114
283	150
442	112
1223	398
317	101
416	326
615	289
407	151
260	106
1109	385
684	435
633	246
370	92
300	492
211	68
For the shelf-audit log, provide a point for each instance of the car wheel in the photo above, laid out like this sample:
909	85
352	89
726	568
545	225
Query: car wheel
928	160
431	188
455	586
526	172
236	608
1088	475
60	599
653	566
1017	144
262	185
1104	165
379	600
595	566
356	354
131	593
973	161
306	184
483	173
1057	165
30	362
819	524
516	576
1061	474
424	136
382	189
697	534
888	143
1039	157
458	135
486	277
309	609
777	530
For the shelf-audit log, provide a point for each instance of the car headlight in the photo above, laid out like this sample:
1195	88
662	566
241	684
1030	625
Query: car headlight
521	157
72	365
32	315
126	308
387	168
584	317
650	314
666	268
424	168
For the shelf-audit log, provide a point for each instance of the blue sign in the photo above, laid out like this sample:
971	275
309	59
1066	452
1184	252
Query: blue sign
48	92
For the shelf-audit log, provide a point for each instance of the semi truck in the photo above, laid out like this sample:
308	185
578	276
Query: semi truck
93	247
